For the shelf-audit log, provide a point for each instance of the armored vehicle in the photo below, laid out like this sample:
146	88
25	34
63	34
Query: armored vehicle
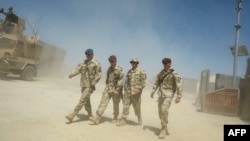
19	54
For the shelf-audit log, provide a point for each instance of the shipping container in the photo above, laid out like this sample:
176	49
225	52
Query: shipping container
223	101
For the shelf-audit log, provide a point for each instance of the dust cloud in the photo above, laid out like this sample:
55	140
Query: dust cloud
35	111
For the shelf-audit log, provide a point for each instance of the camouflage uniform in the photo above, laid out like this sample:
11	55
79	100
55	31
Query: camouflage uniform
113	83
172	83
135	79
90	73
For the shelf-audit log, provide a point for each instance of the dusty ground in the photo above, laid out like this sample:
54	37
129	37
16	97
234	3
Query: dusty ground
35	111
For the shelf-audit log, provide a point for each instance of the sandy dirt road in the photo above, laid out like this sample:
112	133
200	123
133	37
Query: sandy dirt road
35	111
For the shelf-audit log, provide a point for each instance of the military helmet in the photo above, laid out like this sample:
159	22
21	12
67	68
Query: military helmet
166	60
11	8
112	58
134	60
89	51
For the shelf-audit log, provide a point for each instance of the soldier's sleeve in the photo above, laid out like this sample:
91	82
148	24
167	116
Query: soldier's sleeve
178	81
126	85
98	74
107	75
143	79
77	70
156	84
120	81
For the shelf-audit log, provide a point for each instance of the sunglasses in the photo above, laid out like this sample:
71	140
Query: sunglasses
134	62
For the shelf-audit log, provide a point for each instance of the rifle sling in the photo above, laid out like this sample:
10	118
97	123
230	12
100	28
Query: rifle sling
165	76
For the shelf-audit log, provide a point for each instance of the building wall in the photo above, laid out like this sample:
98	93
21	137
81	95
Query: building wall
244	107
225	81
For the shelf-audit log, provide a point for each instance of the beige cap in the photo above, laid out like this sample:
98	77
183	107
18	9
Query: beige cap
134	60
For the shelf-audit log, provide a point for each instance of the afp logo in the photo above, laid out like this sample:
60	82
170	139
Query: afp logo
236	132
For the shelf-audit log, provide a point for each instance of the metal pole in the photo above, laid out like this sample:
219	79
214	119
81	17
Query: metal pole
237	27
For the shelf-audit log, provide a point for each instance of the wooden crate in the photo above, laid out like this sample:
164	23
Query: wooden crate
223	101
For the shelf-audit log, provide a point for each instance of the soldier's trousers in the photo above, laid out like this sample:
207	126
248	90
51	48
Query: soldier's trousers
164	104
104	103
85	100
135	100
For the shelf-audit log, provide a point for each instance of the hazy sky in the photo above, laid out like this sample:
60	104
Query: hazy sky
195	34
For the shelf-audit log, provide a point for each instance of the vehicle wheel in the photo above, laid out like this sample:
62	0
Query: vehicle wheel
28	73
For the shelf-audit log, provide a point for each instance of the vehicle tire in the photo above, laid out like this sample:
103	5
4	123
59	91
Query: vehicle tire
28	73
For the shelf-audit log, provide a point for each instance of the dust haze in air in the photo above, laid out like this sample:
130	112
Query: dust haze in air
195	35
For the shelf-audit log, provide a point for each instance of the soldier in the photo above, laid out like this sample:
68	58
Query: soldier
113	89
10	16
134	84
90	70
167	82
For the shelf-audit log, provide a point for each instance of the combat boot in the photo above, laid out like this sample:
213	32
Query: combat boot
121	122
163	132
90	115
71	116
114	120
139	120
95	119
